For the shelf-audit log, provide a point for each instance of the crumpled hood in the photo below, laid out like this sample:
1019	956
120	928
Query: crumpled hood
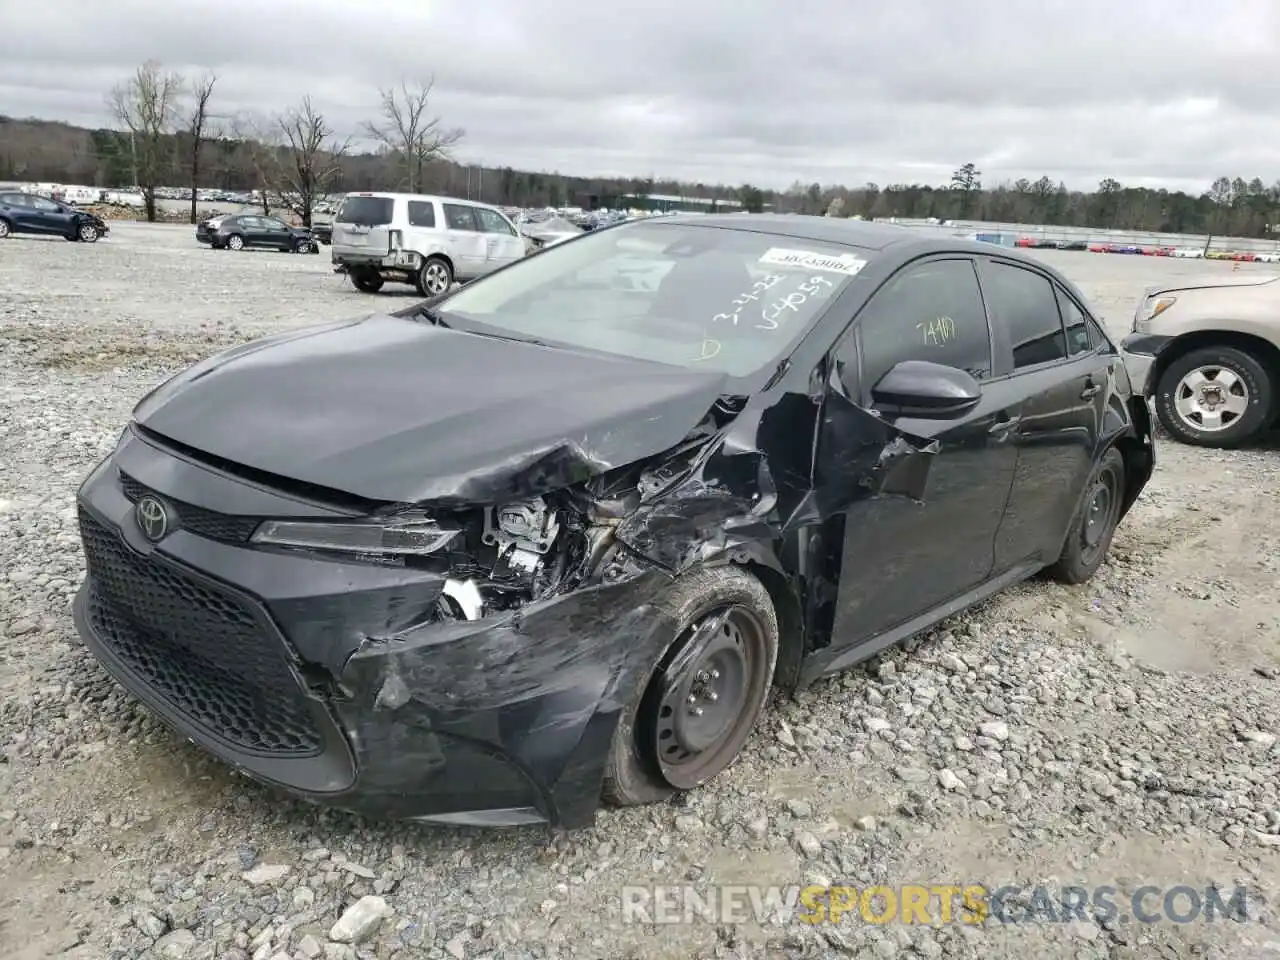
392	409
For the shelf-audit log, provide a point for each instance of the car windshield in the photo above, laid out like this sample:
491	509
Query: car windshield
676	293
366	211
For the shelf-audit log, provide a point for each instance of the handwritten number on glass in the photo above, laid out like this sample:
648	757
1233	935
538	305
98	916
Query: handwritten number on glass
937	332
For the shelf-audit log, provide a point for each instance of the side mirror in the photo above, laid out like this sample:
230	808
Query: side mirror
921	388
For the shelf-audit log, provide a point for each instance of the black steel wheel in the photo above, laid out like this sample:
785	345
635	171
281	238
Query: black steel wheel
1094	523
703	699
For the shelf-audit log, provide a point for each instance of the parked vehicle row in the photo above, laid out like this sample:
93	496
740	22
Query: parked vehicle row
42	216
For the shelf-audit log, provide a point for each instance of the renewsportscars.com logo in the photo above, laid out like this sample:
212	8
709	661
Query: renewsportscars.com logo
932	904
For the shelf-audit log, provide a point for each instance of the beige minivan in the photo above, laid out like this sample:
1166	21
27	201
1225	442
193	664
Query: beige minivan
1208	355
428	242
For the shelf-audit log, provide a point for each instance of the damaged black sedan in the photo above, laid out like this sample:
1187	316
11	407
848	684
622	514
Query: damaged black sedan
555	537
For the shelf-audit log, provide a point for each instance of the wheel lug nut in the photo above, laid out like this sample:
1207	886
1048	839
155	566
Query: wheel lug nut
693	698
696	711
715	674
713	696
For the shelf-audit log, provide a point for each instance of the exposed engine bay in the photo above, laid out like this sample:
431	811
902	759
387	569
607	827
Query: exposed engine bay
534	548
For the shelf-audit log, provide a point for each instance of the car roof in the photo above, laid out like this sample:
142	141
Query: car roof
414	196
903	242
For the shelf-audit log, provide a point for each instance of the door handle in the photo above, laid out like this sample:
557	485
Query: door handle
1090	391
1003	424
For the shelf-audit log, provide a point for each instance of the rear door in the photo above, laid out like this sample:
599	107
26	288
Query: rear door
504	244
466	243
1065	381
362	226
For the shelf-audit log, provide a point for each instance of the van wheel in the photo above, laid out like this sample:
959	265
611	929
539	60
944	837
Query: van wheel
691	718
435	277
367	282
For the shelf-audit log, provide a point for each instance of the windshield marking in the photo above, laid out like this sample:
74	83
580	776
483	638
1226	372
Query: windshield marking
792	301
845	263
751	296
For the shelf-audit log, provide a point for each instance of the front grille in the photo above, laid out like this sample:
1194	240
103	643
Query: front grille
202	649
197	520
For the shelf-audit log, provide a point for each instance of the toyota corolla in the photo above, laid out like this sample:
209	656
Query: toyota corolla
553	538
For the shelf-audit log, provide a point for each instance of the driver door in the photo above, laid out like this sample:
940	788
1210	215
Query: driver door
922	498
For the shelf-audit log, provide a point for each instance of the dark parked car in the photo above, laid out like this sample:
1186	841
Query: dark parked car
322	231
553	537
29	213
244	230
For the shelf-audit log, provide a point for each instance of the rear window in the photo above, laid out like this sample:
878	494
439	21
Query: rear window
366	211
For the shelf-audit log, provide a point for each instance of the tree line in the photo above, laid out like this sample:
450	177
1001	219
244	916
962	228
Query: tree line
169	133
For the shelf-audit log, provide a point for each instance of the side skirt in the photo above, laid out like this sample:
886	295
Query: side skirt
824	663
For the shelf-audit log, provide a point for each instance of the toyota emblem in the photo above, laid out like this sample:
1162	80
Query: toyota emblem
152	517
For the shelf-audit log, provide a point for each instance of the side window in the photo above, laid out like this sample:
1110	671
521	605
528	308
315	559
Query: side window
492	222
274	224
1024	303
929	311
246	223
1099	339
1074	323
422	213
43	205
459	217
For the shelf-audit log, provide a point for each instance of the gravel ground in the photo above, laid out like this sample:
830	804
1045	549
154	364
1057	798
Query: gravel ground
1122	733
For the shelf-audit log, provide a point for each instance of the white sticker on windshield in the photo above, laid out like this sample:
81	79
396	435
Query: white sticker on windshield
845	263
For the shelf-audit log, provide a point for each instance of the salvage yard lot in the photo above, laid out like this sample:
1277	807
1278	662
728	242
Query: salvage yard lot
1130	733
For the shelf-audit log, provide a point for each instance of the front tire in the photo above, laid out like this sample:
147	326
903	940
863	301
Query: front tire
1095	521
302	246
689	721
1215	397
88	233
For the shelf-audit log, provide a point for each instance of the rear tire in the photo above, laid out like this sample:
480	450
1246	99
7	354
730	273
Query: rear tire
366	282
435	277
5	228
1215	397
235	242
689	720
1094	523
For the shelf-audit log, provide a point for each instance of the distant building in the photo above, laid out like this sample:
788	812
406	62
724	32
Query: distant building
664	203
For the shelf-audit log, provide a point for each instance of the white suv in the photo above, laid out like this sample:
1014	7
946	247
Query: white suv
426	241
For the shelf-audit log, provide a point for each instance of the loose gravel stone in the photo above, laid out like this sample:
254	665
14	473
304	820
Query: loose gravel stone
1122	732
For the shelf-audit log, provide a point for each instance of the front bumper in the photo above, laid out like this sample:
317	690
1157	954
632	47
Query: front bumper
1140	352
330	680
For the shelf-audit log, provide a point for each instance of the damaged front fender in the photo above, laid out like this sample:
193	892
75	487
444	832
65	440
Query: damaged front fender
516	709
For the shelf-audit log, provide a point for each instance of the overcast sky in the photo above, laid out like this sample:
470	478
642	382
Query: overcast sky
1157	92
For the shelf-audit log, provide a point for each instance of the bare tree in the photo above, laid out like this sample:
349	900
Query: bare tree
197	122
310	159
145	105
409	133
260	139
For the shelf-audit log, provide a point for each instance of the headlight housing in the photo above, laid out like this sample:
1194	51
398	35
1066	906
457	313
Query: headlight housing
405	534
1151	308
